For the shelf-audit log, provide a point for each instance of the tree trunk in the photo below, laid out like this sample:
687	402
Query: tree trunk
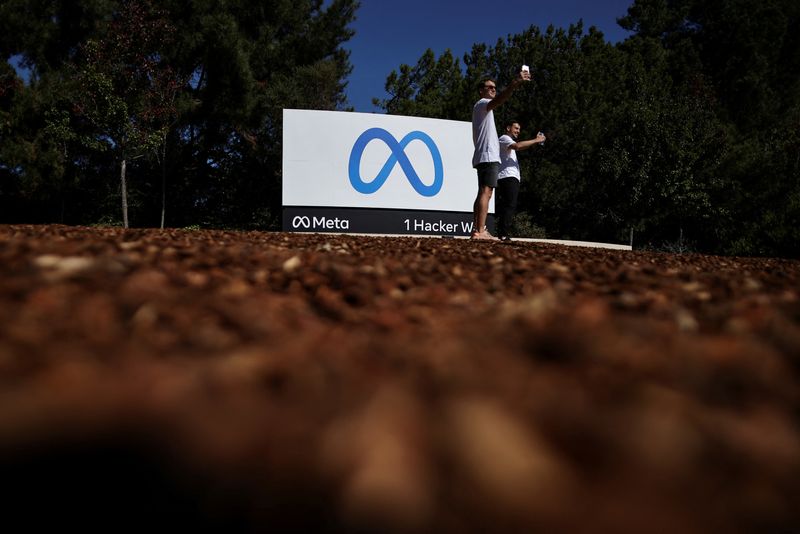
163	199
124	187
163	182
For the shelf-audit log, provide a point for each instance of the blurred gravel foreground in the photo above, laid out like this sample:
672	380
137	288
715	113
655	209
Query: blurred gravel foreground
269	382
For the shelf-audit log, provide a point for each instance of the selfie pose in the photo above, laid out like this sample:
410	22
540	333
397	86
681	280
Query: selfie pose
509	177
486	158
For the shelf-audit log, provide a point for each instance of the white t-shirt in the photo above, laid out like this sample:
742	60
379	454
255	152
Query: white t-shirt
509	166
484	134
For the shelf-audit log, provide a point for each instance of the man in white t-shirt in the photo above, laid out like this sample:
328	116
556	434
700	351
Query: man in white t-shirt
486	158
508	179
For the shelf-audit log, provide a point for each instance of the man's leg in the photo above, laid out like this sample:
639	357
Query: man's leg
502	207
487	181
481	208
512	195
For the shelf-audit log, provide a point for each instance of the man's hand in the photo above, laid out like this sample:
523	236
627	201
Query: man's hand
503	96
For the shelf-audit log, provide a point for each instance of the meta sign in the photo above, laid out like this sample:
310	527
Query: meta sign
366	173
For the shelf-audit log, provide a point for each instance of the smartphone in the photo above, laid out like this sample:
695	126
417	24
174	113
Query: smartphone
526	69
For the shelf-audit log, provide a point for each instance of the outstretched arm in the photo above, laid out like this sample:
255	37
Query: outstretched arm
522	145
524	76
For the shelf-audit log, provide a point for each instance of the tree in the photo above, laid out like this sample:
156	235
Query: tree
749	52
47	32
236	66
685	133
432	88
247	62
743	60
124	90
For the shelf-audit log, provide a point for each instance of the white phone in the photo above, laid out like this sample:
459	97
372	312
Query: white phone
526	69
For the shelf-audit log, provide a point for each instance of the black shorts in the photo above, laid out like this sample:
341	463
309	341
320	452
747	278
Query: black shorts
487	173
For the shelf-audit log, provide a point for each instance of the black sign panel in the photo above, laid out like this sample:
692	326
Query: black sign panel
378	221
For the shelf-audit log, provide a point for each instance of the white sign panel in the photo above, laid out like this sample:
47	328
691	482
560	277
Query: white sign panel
364	160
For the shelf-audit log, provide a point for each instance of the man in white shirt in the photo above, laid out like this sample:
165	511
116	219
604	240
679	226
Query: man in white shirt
486	158
508	179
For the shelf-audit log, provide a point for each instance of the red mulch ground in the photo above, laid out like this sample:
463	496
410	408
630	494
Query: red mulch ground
237	382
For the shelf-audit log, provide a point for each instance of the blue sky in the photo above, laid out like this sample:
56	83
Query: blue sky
390	33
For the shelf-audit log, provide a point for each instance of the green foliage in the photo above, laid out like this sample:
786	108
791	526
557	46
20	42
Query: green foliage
246	63
742	59
685	135
121	85
432	88
188	94
525	226
47	32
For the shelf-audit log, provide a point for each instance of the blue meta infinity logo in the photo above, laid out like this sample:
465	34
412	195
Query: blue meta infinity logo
398	156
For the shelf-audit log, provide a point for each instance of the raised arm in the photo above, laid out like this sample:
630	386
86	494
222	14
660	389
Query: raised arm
524	76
